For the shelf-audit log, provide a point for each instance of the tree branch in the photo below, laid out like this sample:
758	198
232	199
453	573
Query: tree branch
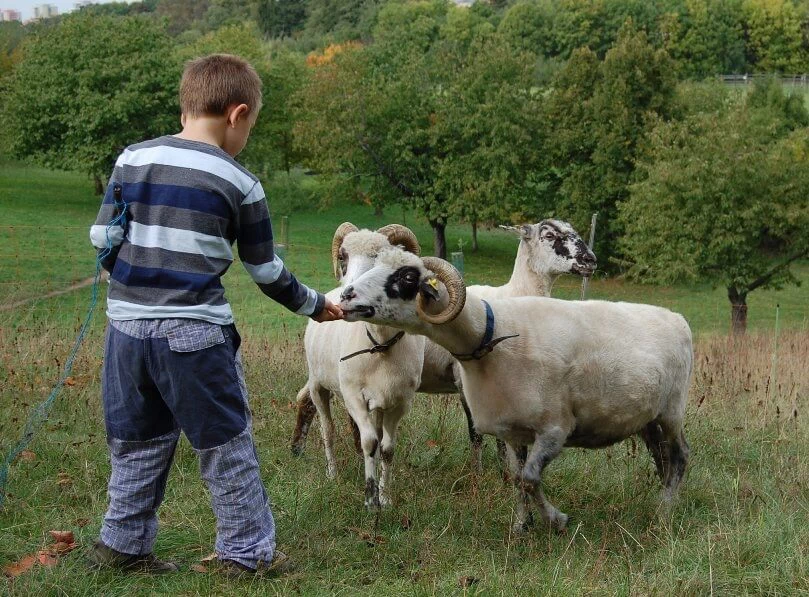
763	279
385	170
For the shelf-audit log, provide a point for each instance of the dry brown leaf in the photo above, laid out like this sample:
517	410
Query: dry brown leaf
62	536
64	481
46	559
61	548
82	522
199	568
20	567
28	456
209	558
70	381
366	536
431	443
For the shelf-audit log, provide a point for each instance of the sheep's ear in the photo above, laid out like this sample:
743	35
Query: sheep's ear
429	288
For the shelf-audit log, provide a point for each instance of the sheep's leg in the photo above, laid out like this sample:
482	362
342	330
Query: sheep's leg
321	397
652	436
546	447
306	412
516	460
678	452
502	459
358	410
355	433
390	427
475	439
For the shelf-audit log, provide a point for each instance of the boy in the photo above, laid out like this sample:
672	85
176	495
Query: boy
172	360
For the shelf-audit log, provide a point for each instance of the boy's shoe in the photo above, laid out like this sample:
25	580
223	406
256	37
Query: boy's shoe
281	564
101	556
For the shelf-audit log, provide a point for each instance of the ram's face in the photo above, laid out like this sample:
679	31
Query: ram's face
386	294
358	254
556	248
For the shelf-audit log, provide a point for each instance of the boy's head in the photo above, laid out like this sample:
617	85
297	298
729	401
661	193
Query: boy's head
222	86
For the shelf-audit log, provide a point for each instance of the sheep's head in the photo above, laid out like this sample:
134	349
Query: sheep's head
354	251
403	290
554	247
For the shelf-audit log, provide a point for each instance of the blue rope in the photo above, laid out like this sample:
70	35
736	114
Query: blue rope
40	413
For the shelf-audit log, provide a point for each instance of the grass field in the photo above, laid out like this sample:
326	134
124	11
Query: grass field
738	528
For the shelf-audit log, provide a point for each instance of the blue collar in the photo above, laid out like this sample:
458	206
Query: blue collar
487	344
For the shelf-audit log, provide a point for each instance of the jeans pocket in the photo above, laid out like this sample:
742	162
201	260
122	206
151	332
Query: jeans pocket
197	337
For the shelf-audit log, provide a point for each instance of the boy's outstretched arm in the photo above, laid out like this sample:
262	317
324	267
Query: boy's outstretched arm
256	249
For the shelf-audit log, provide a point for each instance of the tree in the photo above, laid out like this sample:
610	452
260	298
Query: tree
281	18
706	38
91	86
774	36
181	14
597	113
723	199
431	114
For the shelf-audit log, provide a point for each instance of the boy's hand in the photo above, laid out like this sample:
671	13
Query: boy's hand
330	312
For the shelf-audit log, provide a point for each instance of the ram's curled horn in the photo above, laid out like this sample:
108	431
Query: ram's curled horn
456	289
401	235
339	234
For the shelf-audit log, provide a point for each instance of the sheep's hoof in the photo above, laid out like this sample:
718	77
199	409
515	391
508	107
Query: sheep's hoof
331	473
523	526
385	501
371	495
297	449
558	521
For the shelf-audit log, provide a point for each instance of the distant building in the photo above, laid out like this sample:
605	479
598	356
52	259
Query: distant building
8	14
464	3
45	11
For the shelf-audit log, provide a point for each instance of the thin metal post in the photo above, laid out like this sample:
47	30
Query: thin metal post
586	279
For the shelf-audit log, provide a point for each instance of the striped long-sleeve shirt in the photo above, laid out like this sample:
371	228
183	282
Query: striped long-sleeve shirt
187	202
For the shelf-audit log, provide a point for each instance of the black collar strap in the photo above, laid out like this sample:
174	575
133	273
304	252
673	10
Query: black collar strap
487	344
377	347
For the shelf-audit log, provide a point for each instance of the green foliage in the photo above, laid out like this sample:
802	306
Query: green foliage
596	114
337	21
281	18
89	86
775	37
181	14
438	112
706	38
722	198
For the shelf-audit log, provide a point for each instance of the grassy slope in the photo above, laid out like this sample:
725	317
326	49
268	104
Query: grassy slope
738	528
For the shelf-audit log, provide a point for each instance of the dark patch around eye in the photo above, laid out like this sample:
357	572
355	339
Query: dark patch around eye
399	286
560	247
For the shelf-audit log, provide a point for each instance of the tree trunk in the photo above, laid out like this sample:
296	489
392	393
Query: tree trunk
439	229
99	184
738	311
475	235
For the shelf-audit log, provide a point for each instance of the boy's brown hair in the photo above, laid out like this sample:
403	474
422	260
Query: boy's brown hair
211	84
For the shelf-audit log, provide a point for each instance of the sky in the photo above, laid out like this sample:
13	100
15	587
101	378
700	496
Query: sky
26	7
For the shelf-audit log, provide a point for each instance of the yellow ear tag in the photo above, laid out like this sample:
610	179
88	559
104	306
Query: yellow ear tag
433	282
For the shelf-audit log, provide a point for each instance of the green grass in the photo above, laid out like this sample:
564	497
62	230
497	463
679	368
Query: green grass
738	528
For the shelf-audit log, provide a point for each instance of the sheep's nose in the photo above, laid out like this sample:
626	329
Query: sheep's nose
348	294
589	258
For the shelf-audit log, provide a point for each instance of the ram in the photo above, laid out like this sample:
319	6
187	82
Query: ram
541	373
377	385
546	250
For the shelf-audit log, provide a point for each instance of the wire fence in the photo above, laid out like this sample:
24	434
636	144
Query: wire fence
798	81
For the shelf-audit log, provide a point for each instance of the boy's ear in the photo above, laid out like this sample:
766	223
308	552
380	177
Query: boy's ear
237	112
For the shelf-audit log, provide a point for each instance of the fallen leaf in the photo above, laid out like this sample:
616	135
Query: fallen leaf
366	536
69	381
82	522
61	548
20	567
199	568
62	536
431	443
28	456
64	481
47	559
209	558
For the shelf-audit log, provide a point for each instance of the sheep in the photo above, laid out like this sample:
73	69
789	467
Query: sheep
546	250
378	389
562	373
